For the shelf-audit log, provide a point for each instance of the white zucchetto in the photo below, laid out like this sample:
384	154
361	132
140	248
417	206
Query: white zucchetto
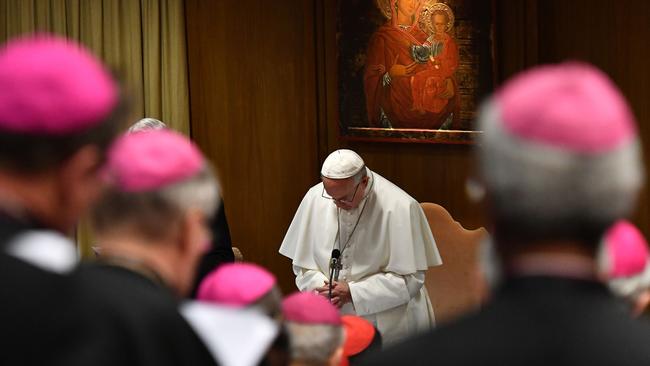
342	164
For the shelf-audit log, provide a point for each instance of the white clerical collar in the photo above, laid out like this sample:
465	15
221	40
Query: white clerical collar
234	337
47	250
552	265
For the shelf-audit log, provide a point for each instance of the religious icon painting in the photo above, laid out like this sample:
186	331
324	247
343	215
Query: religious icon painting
413	70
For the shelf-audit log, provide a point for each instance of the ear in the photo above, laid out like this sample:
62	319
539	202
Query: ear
641	304
194	239
194	235
335	359
365	180
78	184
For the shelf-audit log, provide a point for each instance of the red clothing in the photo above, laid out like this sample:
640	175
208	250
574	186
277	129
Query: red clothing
427	85
386	45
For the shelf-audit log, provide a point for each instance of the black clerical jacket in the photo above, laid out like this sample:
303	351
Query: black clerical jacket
93	315
144	317
535	321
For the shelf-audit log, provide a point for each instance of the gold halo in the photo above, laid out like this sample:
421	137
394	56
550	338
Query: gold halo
431	6
384	7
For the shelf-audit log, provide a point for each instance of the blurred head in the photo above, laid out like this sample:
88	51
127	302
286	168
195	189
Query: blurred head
59	110
623	261
147	124
161	195
345	179
361	340
242	285
560	157
315	329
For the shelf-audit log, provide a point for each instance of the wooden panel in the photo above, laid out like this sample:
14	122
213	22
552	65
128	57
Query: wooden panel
614	37
516	33
264	102
253	109
431	173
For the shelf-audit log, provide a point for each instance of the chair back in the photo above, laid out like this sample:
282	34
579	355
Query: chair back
454	287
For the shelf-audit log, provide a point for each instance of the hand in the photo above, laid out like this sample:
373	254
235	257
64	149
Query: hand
398	70
340	293
377	69
324	290
449	90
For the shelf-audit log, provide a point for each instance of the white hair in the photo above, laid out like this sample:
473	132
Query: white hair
549	186
630	287
147	124
314	343
360	175
199	192
151	213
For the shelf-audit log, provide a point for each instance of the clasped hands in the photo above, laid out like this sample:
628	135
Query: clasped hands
340	292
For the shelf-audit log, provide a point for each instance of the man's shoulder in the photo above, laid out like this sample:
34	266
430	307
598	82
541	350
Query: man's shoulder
313	196
127	292
389	193
523	330
145	313
315	190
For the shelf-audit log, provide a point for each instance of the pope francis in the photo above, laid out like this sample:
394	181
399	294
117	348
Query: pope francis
383	244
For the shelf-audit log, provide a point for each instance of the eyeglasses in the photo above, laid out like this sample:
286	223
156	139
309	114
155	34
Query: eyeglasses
341	200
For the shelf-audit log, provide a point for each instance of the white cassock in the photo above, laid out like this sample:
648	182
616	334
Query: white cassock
384	261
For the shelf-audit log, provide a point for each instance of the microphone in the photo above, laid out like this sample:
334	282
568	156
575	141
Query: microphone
334	269
336	255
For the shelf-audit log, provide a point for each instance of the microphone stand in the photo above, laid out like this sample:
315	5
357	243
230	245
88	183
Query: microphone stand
334	270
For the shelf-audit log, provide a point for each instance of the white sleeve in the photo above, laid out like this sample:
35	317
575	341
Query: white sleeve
308	279
383	291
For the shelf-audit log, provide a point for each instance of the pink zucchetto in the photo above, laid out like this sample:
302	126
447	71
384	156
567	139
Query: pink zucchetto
309	308
52	86
626	250
148	161
236	284
571	106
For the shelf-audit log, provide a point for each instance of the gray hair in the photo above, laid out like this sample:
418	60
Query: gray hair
152	213
147	124
630	288
550	190
314	343
360	175
270	304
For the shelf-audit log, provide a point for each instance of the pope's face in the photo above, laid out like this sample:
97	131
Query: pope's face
345	193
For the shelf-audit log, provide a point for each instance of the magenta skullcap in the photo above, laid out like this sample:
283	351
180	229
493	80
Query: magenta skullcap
236	284
151	160
626	250
52	86
309	308
571	106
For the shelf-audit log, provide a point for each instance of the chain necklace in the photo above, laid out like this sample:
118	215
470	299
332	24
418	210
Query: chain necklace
354	228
